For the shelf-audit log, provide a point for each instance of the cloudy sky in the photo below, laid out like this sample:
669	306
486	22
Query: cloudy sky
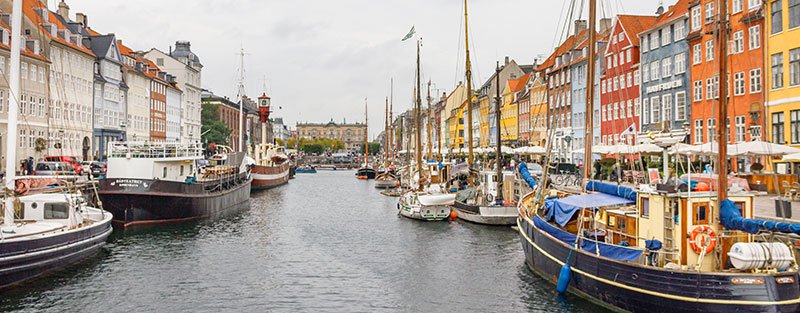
319	59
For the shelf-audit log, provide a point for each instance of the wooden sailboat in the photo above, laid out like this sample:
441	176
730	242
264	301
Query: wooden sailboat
366	171
648	251
485	205
425	201
44	230
387	178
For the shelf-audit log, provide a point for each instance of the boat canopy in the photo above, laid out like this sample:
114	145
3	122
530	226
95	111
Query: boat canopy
562	209
607	250
526	175
731	218
612	189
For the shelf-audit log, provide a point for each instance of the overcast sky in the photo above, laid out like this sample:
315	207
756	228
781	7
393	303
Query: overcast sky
321	58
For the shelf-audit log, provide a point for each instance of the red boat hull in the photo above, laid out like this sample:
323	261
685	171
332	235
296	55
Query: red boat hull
266	177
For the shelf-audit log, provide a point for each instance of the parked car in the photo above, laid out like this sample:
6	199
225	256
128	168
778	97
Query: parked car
97	168
72	160
53	169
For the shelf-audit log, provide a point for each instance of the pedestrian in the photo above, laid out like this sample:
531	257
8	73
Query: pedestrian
29	166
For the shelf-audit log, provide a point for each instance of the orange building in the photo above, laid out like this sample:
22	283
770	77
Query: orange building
745	70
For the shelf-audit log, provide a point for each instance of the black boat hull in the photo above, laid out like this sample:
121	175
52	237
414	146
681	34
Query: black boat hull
366	172
148	201
25	260
630	287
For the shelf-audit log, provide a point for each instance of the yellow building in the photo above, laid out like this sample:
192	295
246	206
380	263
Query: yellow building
351	135
538	115
782	68
454	117
509	111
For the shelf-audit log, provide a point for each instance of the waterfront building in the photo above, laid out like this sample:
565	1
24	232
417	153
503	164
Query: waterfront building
620	95
174	97
454	118
351	135
782	71
187	69
279	129
70	81
484	123
509	109
158	102
524	113
556	69
665	73
137	123
227	112
745	63
538	111
579	68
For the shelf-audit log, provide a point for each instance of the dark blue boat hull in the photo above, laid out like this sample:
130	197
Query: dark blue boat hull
630	287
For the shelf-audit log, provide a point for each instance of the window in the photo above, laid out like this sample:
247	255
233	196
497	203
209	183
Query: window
737	6
645	44
603	113
622	82
698	131
645	207
712	129
24	70
738	84
655	109
637	78
777	128
754	36
709	89
709	12
680	106
794	13
666	36
616	83
740	128
2	100
628	52
696	18
794	66
710	50
603	86
755	80
666	102
630	108
616	110
697	53
777	70
738	42
777	17
630	79
645	111
654	75
621	37
680	30
637	106
56	210
654	41
645	73
666	67
701	213
680	63
753	4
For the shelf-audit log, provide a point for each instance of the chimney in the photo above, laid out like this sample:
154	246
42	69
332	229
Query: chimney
63	10
660	10
580	25
82	19
507	60
605	24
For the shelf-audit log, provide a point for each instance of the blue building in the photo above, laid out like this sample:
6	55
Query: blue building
665	73
578	87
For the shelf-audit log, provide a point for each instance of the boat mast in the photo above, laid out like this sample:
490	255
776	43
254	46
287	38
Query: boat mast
241	101
386	134
469	92
366	135
418	143
391	122
428	127
590	71
13	108
499	156
723	29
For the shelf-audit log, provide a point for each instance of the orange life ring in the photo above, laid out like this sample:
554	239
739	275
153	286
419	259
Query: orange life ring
709	239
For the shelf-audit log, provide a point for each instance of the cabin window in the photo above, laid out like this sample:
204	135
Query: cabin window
621	224
59	210
739	206
645	207
164	173
701	213
612	221
181	170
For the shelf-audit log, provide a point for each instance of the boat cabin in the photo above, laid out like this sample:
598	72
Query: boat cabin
55	210
154	160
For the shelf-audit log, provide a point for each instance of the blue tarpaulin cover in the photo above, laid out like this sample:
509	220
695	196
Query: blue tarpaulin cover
562	209
526	175
606	250
612	189
731	218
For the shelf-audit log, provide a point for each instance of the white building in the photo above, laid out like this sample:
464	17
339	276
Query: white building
186	67
174	101
137	125
280	130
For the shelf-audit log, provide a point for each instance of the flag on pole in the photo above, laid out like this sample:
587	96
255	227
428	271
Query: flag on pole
410	34
630	131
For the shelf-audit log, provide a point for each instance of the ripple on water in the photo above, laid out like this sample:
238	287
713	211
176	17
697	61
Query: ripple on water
324	243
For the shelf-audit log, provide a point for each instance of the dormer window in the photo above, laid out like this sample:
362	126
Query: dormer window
6	36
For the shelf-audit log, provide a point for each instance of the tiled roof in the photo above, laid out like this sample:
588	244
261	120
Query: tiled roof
635	24
561	49
27	52
515	85
679	9
29	9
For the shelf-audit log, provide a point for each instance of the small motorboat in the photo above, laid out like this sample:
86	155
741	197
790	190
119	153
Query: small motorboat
306	169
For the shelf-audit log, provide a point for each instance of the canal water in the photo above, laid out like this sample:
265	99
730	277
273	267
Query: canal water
325	242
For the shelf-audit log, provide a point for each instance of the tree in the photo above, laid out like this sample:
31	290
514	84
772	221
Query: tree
312	148
374	148
213	129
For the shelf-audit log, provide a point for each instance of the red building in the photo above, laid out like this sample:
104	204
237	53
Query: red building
620	84
158	103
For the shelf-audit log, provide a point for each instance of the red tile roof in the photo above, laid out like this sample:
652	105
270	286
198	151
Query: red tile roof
635	24
29	10
518	84
679	9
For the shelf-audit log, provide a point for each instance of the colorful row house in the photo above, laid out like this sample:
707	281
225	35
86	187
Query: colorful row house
783	65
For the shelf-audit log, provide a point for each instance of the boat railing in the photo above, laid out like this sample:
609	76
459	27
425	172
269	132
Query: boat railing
150	149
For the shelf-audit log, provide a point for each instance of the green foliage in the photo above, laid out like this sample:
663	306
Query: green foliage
316	145
213	129
312	148
374	148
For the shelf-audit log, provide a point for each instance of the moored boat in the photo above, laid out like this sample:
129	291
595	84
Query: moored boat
306	169
481	205
155	182
271	168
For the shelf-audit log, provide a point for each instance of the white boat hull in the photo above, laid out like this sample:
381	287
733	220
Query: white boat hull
489	215
410	206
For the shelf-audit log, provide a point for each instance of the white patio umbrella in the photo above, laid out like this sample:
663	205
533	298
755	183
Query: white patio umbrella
760	148
794	157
